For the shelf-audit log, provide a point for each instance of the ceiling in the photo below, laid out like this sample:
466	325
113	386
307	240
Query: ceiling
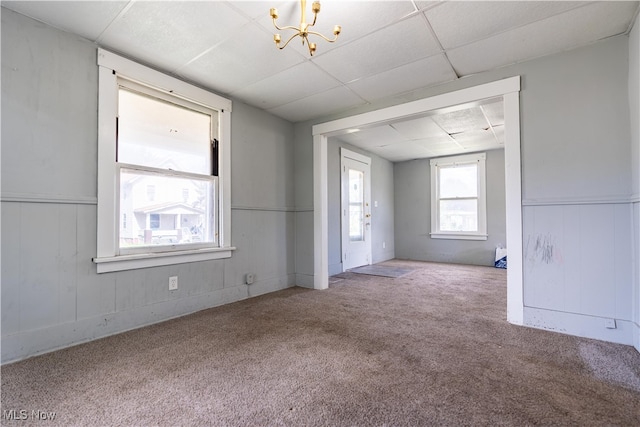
386	49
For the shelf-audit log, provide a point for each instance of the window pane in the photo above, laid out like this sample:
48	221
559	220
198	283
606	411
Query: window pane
459	215
356	205
169	218
459	181
156	133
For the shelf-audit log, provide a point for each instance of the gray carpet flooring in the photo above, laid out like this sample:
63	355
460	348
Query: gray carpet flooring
429	348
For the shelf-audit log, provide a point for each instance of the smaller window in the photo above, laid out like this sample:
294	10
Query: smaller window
154	221
458	197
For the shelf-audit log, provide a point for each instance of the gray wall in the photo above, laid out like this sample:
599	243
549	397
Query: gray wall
413	216
634	104
51	294
382	222
575	151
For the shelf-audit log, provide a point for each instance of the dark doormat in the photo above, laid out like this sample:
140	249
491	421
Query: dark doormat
382	270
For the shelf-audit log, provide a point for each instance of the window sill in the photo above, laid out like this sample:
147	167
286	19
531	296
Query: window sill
136	261
455	236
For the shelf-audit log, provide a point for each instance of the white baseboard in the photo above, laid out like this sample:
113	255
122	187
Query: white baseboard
580	325
304	280
25	344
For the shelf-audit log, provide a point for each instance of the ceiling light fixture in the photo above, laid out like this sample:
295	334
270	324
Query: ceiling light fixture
303	30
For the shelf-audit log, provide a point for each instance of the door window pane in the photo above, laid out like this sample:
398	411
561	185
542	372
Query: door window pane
356	205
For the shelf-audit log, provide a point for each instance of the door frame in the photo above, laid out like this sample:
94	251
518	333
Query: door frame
509	90
346	153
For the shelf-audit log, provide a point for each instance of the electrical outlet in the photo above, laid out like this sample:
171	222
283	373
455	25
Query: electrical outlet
610	323
173	283
384	245
250	278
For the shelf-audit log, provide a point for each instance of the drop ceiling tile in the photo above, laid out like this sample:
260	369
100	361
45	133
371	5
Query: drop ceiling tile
419	74
241	60
438	144
169	34
478	20
422	5
561	32
318	105
466	120
256	10
421	128
402	151
480	140
85	18
383	50
494	112
357	18
297	82
499	131
373	137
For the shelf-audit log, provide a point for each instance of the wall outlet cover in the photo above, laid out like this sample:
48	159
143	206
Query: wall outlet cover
173	283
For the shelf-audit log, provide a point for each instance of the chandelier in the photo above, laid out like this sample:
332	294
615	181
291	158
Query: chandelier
304	29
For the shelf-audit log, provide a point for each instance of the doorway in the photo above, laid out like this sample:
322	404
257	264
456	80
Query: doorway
509	90
355	209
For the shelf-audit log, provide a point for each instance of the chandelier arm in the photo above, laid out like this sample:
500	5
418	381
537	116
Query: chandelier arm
315	33
290	38
306	38
288	27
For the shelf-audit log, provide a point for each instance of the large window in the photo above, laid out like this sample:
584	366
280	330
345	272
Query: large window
163	167
458	197
166	161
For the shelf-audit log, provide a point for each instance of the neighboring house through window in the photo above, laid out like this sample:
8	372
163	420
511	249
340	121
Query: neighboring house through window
165	145
458	197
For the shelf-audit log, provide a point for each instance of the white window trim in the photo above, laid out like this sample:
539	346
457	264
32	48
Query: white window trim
481	234
110	67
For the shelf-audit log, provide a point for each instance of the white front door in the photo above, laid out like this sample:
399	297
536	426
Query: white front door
356	209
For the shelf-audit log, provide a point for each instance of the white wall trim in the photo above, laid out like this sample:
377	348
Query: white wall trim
111	68
604	200
513	202
265	208
160	81
135	261
320	213
419	107
48	198
508	89
580	325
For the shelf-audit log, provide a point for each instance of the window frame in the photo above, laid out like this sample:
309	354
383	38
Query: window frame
112	69
435	166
